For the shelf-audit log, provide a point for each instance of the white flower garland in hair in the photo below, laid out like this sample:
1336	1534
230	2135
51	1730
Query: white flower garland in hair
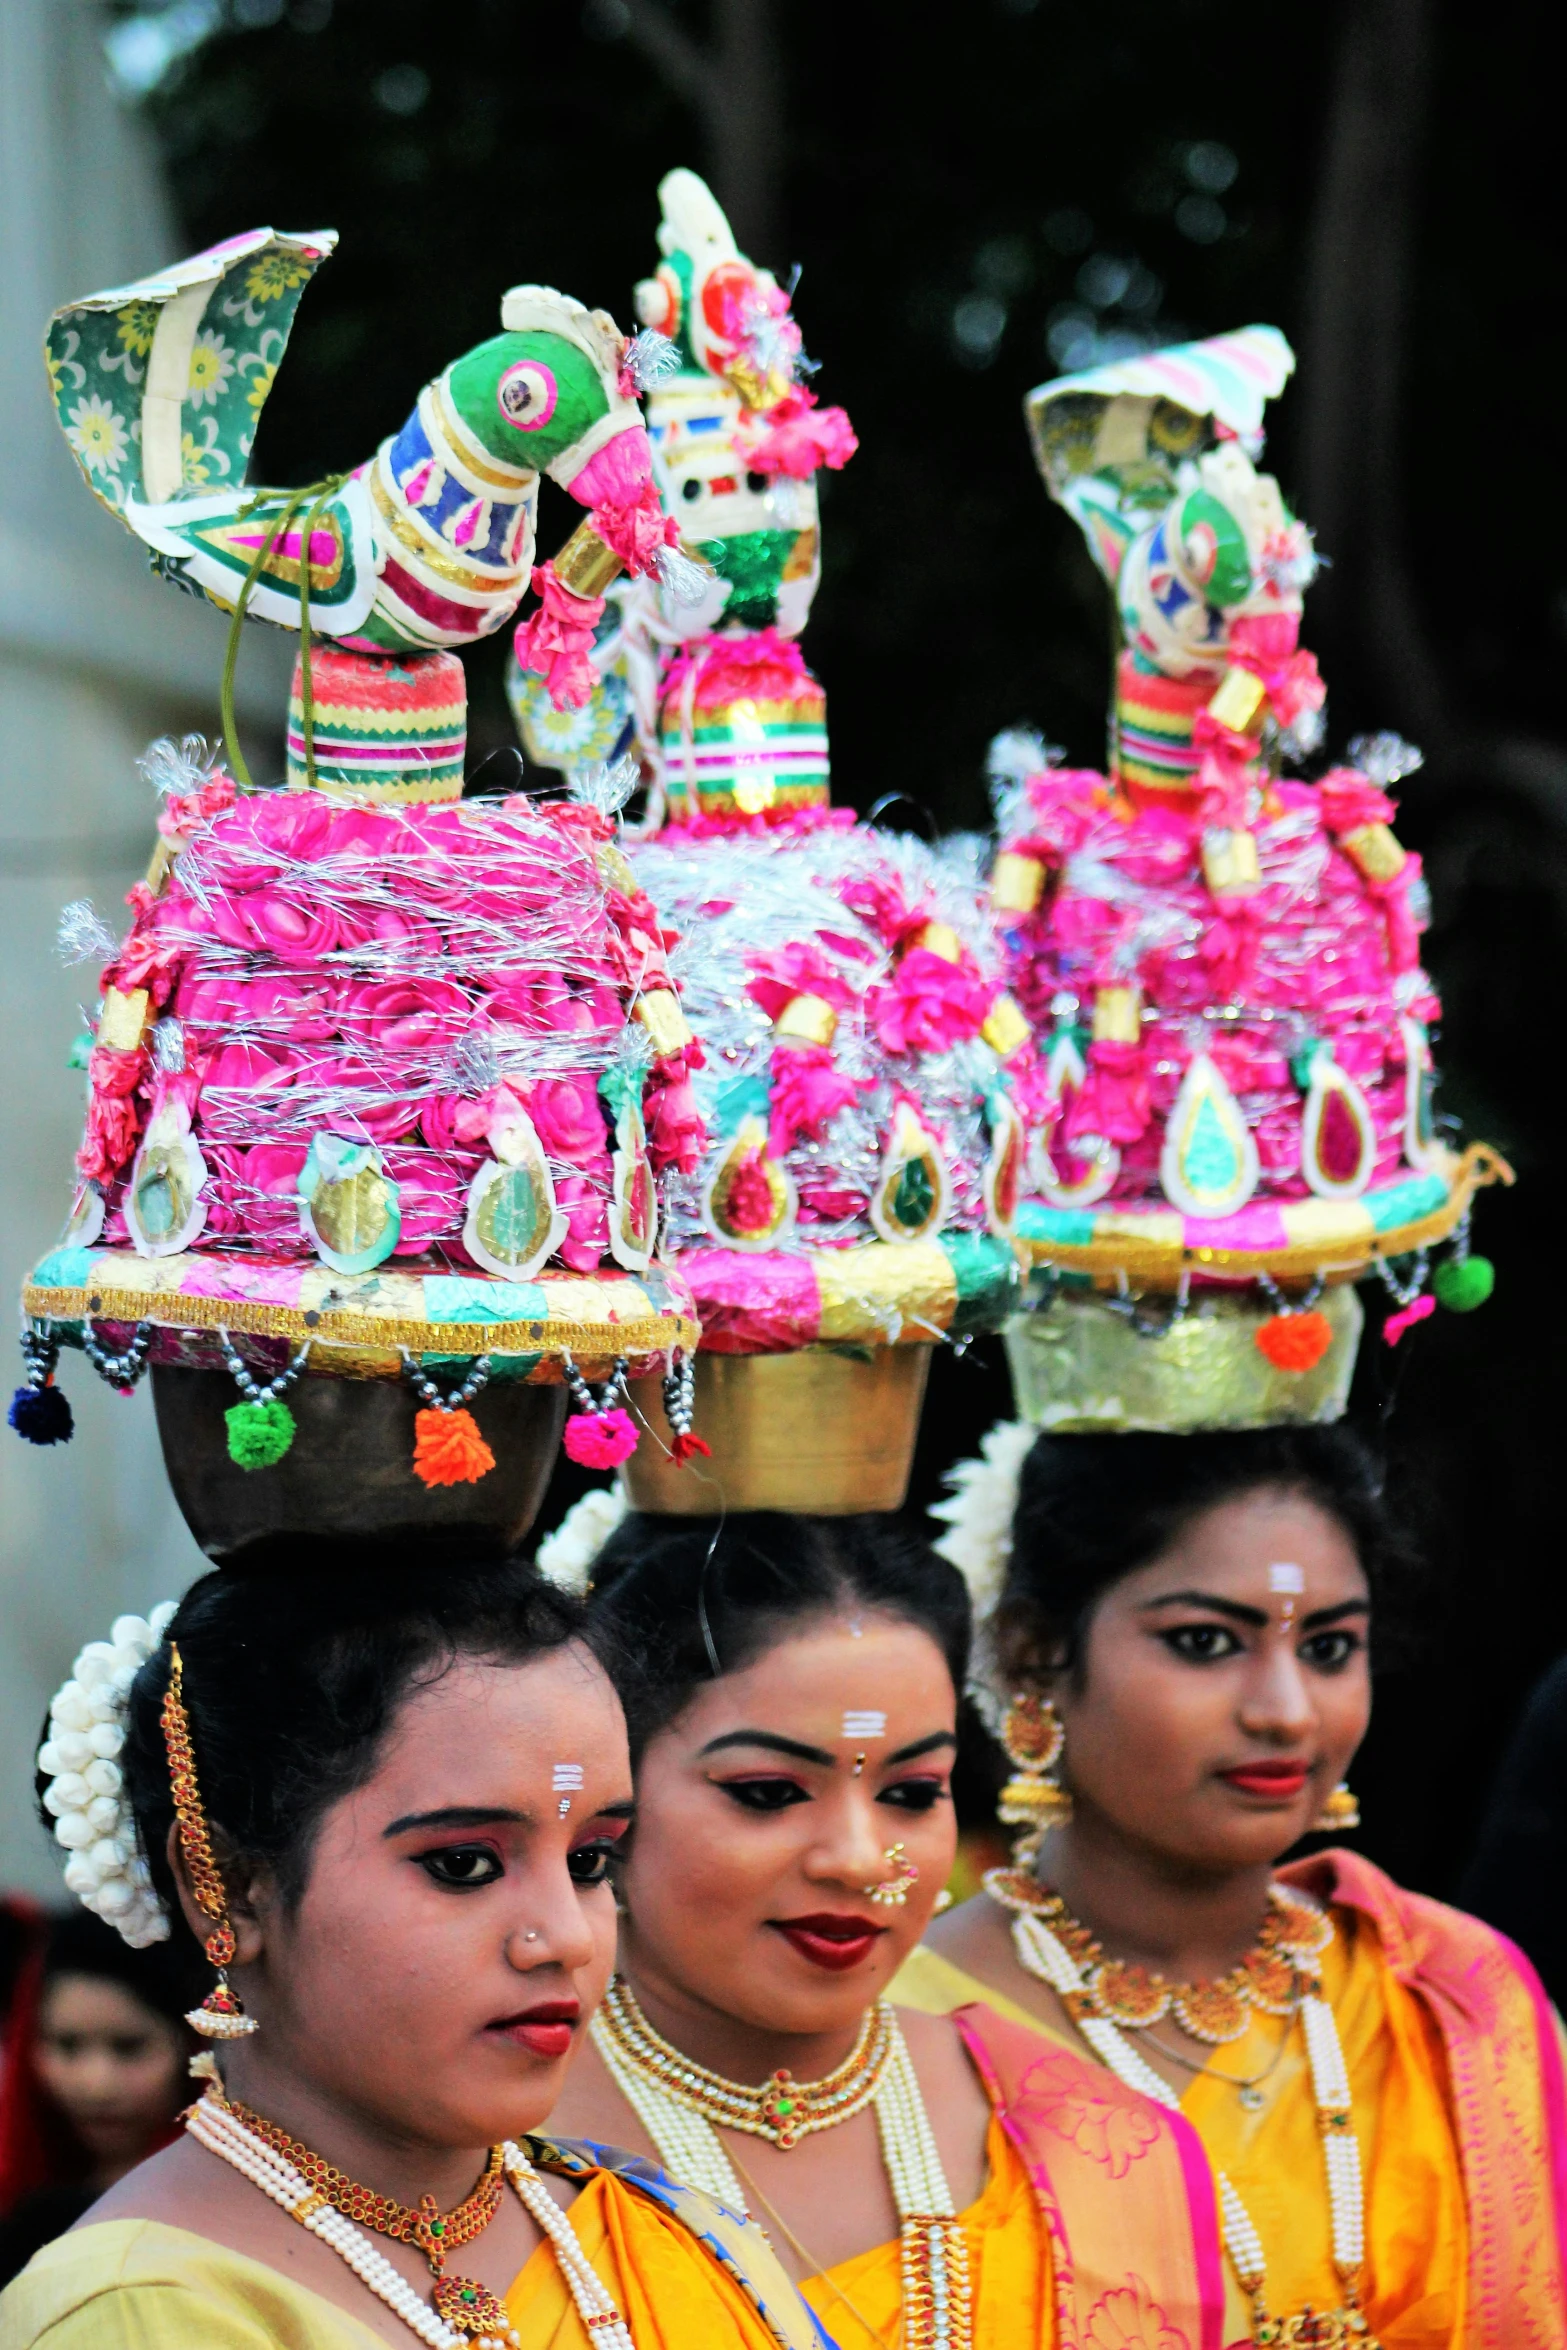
566	1557
978	1543
105	1867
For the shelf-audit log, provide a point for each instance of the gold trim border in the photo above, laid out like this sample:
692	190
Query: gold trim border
644	1336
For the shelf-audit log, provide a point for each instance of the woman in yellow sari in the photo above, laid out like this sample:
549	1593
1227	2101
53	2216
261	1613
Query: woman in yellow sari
384	1797
790	1685
1183	1632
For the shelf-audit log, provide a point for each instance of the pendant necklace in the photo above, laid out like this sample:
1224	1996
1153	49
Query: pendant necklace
1106	1998
679	2102
460	2314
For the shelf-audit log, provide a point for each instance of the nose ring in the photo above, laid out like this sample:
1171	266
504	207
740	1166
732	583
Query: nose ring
893	1891
531	1935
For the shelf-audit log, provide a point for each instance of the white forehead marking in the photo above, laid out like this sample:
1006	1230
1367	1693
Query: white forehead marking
566	1775
864	1725
1287	1578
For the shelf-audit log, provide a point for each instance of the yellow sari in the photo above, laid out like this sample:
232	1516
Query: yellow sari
1451	2061
138	2285
860	2301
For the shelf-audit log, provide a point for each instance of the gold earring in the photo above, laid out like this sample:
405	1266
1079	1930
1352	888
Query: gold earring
220	2015
1034	1799
1339	1813
893	1891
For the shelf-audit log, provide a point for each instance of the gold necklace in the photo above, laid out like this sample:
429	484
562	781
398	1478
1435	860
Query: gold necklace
782	2110
681	2105
1279	1970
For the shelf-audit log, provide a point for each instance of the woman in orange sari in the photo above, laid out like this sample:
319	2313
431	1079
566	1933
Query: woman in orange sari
384	1797
791	1689
1183	1634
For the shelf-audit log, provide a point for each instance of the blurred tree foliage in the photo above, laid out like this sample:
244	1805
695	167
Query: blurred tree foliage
979	199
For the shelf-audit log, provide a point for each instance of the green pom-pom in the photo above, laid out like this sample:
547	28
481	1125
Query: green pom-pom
259	1433
1462	1283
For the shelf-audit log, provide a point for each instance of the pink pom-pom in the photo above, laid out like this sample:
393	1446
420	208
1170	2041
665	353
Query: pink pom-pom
600	1440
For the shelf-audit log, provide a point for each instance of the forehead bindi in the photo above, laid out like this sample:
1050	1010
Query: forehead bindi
485	1734
839	1685
1279	1553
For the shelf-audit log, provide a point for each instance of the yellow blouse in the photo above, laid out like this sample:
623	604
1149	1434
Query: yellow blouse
860	2301
138	2285
1416	2218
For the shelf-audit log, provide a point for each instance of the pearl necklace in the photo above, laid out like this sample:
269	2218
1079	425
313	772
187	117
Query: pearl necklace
1043	1955
673	2102
484	2326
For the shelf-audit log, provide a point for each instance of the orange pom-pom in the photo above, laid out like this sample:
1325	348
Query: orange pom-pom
1295	1342
449	1449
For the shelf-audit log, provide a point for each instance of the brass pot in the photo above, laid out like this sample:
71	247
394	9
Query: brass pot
349	1473
817	1431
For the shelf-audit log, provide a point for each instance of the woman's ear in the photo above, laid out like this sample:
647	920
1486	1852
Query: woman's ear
244	1910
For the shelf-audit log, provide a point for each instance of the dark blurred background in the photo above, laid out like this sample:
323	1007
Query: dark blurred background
978	199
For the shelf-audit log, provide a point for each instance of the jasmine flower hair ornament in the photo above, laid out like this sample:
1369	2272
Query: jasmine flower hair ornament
85	1789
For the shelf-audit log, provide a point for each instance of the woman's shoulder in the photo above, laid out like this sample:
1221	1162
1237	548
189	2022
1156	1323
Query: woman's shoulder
140	2284
1425	1942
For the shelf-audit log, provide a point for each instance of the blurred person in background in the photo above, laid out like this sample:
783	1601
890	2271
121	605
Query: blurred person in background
97	2052
1517	1878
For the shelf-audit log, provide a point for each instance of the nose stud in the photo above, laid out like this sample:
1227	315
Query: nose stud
893	1891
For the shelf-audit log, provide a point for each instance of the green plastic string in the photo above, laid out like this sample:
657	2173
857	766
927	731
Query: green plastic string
329	488
322	492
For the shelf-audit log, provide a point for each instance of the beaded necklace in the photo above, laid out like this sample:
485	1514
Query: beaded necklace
461	2314
1042	1952
678	2103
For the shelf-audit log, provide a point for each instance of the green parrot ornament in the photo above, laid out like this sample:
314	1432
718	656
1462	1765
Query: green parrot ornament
425	547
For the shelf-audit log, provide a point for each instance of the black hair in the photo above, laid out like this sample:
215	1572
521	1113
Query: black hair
166	1977
677	1601
291	1682
1092	1509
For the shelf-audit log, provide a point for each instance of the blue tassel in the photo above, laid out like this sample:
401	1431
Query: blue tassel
42	1415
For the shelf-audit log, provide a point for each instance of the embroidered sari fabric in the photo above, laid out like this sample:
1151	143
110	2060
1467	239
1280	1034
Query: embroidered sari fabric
1456	2071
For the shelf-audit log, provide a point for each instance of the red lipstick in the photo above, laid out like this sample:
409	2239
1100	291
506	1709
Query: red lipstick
833	1943
545	2030
1279	1782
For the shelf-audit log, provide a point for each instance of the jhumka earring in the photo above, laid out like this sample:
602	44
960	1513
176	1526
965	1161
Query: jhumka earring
220	2015
1034	1798
1339	1813
893	1891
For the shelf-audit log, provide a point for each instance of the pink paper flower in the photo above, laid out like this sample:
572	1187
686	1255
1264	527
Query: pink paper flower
569	1119
556	640
587	1215
1113	1104
796	437
676	1130
808	1090
399	1017
929	1005
800	968
448	1121
430	1194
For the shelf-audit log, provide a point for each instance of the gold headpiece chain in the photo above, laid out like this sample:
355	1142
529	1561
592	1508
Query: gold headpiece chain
220	2015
